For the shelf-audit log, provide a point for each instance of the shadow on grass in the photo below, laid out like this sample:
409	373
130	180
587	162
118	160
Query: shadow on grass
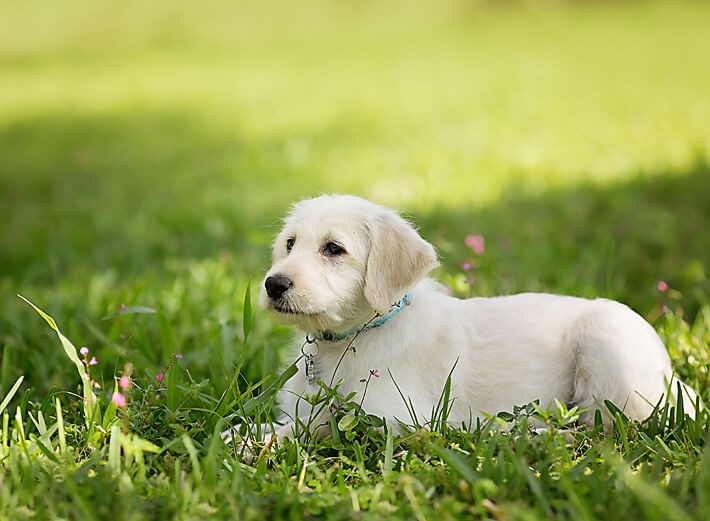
615	241
125	191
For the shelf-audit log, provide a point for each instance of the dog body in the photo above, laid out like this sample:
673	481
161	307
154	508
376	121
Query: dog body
341	261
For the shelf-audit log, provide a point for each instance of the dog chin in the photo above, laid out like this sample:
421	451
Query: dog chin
305	320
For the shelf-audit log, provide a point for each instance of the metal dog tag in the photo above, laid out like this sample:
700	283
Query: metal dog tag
310	369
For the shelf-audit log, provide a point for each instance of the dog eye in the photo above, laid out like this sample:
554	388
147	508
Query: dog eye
333	248
289	243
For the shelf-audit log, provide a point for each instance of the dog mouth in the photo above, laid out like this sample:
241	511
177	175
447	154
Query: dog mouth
307	319
286	308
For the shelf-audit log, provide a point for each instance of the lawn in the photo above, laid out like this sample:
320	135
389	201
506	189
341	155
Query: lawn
148	151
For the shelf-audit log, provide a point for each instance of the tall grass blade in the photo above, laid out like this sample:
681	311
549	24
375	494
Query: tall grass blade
5	368
389	453
440	414
46	451
194	458
247	315
71	352
60	423
10	394
535	486
171	398
114	449
5	434
702	487
211	460
458	464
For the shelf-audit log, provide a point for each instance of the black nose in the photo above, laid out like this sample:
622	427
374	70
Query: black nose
277	285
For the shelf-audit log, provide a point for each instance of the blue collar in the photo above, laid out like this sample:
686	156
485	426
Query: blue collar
378	321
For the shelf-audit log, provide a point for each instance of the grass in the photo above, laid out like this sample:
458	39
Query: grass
147	152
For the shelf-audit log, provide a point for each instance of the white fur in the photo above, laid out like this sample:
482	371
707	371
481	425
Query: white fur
506	350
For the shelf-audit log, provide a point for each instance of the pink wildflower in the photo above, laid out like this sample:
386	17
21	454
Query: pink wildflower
178	356
84	351
375	373
662	286
466	266
664	308
476	243
118	399
124	382
93	361
159	377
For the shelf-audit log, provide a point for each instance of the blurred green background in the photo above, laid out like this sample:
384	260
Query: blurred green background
147	151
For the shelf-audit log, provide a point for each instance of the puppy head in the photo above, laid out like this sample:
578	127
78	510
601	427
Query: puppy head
339	259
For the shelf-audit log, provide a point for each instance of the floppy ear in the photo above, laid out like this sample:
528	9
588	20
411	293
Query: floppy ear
398	259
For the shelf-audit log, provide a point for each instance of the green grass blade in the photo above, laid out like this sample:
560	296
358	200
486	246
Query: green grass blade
10	394
41	313
535	486
247	315
46	451
702	487
214	451
114	449
5	367
5	433
458	464
60	423
389	453
171	397
194	457
71	352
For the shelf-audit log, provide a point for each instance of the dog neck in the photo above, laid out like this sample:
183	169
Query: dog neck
309	349
376	321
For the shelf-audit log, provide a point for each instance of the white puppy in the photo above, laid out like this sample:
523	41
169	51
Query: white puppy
346	268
